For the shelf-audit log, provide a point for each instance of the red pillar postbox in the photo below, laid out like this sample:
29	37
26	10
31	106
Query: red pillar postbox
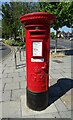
37	26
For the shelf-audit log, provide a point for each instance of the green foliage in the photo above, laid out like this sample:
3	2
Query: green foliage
21	43
0	29
14	43
11	13
53	36
62	10
9	42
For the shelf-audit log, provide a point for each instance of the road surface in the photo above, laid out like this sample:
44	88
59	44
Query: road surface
67	44
4	50
62	44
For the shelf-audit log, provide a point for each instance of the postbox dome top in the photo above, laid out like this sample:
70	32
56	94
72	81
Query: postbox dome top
38	17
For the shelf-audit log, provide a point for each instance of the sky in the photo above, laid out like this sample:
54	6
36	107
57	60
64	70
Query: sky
64	28
4	0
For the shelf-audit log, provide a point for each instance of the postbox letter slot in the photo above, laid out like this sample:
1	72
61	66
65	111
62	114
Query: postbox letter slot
37	33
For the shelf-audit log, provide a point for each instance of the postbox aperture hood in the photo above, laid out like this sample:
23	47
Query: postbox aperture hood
38	17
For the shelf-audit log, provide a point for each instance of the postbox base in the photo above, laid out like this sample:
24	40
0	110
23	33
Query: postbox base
37	101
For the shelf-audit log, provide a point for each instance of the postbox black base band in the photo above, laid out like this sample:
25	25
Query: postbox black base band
37	101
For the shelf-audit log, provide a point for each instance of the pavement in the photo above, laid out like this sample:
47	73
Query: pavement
13	88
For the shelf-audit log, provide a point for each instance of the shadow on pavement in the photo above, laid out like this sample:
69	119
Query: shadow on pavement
53	47
59	89
68	52
20	66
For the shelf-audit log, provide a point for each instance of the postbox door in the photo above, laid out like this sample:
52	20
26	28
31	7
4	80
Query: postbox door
38	65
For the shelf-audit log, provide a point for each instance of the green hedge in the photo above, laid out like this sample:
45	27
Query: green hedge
13	43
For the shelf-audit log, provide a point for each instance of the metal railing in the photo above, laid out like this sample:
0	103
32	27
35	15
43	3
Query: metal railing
21	55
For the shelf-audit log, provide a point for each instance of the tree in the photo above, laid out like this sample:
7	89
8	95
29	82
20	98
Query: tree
5	20
52	34
11	13
63	12
0	29
10	18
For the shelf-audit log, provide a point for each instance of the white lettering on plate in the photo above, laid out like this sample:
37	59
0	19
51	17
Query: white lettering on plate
37	60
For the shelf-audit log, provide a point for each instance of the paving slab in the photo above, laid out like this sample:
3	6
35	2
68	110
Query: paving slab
60	106
69	92
59	71
5	75
20	74
10	70
67	101
0	96
28	112
57	76
16	94
11	109
65	114
27	117
0	109
67	73
13	75
19	79
23	84
11	86
6	96
48	115
0	81
0	75
7	80
1	87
